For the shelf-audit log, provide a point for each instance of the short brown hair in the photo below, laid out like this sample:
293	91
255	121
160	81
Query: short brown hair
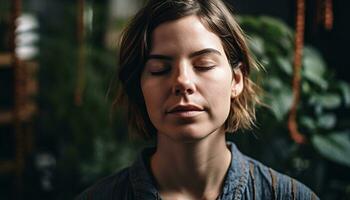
135	45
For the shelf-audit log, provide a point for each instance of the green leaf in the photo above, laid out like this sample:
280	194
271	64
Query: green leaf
329	101
314	67
285	65
274	83
306	88
280	103
334	146
257	45
345	89
327	121
249	22
276	26
308	122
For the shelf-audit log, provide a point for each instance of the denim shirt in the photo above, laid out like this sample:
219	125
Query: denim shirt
246	179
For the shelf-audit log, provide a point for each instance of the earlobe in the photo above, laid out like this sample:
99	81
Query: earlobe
237	83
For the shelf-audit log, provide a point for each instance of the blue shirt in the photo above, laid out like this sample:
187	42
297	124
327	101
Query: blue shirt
246	179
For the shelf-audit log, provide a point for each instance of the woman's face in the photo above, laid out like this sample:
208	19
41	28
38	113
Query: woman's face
187	82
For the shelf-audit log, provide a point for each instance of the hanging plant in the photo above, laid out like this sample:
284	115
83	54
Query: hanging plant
323	97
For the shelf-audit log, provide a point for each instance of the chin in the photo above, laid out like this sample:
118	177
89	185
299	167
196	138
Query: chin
189	134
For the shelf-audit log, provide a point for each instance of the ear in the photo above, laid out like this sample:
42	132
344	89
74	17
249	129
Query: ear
237	82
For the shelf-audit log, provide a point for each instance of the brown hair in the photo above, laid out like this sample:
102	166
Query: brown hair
135	47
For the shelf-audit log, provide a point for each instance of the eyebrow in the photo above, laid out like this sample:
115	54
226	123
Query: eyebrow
205	51
194	54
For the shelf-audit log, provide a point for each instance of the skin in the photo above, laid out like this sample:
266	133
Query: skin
188	84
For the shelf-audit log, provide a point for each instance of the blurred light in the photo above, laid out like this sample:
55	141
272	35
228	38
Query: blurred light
26	22
45	163
44	160
26	52
88	17
27	36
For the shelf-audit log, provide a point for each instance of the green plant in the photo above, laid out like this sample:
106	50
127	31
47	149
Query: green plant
321	118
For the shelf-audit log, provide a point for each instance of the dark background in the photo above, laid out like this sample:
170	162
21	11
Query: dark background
75	145
333	44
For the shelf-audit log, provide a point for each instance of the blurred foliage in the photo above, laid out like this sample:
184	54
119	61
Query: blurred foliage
321	118
87	142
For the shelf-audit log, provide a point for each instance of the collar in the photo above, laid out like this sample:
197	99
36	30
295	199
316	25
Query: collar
144	185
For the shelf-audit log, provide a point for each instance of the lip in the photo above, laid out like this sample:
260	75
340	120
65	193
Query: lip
188	110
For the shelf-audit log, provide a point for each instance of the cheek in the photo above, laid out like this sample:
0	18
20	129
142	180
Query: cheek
220	95
218	92
147	93
152	94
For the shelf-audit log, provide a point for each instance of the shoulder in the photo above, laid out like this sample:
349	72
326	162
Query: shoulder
110	187
264	181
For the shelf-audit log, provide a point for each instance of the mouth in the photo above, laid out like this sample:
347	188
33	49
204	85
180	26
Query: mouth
188	110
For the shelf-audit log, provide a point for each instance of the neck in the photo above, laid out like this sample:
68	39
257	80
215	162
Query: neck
195	168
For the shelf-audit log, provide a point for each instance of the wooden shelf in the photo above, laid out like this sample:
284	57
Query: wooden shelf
25	113
31	67
32	87
5	60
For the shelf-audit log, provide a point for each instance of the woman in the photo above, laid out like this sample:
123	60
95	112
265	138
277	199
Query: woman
184	67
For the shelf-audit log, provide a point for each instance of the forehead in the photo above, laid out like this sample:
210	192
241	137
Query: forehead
183	36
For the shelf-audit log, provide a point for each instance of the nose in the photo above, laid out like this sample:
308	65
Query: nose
183	83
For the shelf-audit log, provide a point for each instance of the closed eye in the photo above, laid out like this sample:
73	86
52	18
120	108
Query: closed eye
160	72
204	68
